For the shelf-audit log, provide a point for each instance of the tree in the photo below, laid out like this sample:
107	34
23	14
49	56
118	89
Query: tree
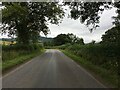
92	42
87	12
117	18
68	38
72	38
27	19
61	39
112	36
80	41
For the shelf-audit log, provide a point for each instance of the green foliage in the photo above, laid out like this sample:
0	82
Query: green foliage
61	39
14	51
103	59
117	18
64	46
99	54
7	64
13	16
67	38
27	19
112	36
47	41
87	12
103	73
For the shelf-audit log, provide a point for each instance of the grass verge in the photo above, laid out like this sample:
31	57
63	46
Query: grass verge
109	79
19	60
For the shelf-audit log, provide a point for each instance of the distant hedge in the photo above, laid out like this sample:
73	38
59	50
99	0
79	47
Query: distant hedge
29	47
14	51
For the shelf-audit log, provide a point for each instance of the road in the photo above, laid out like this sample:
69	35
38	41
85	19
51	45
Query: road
52	69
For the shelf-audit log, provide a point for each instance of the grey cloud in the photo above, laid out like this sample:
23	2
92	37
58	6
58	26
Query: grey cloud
74	26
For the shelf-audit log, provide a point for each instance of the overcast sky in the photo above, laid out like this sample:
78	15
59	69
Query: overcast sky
74	26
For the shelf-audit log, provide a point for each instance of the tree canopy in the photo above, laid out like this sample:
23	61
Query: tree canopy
27	19
87	12
67	38
112	36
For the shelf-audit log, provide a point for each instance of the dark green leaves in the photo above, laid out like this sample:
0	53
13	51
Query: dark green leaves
67	38
112	36
87	12
28	19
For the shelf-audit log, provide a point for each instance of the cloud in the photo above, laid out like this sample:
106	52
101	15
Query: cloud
74	26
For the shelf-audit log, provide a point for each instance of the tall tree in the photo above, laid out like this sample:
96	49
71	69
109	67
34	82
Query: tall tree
27	19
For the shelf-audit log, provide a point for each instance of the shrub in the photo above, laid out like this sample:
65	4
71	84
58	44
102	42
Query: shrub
105	56
13	51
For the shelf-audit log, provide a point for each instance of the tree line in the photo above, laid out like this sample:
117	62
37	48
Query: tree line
67	38
26	20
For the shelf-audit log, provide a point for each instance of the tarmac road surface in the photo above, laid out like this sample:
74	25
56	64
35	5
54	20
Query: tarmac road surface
52	69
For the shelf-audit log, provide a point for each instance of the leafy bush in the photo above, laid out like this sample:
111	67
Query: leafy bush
106	56
29	47
11	52
64	46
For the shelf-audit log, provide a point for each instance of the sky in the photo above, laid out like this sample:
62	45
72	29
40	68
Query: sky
74	26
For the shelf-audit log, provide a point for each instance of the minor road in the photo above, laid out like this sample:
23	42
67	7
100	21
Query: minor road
52	69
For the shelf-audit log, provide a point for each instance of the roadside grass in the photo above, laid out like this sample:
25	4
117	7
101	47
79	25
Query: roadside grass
19	60
17	54
109	79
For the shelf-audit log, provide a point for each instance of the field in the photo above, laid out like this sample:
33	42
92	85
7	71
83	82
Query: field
6	42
